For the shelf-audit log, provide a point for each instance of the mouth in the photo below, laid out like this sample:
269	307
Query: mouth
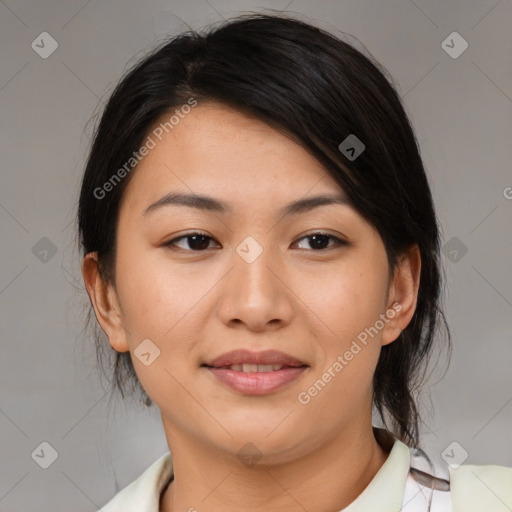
256	373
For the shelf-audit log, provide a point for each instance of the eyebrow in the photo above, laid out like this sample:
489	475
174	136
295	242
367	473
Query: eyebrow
210	204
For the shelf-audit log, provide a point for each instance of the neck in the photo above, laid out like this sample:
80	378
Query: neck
328	478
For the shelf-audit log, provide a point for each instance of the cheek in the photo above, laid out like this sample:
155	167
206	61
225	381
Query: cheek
348	303
168	305
348	353
158	305
154	296
346	300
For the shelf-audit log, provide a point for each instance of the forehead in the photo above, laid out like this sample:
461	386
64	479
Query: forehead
216	148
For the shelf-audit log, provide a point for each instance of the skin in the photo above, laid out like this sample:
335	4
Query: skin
194	306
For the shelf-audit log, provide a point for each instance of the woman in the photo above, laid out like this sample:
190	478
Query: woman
261	249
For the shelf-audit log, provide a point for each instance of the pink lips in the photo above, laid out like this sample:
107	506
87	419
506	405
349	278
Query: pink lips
256	382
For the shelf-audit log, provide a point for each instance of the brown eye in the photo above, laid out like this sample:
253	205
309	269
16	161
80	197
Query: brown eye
320	241
195	242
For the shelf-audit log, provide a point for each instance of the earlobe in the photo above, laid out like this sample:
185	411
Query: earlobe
404	292
104	302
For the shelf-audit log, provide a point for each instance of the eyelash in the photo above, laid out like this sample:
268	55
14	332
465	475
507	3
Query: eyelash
170	243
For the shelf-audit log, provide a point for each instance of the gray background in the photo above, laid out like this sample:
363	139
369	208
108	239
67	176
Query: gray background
461	109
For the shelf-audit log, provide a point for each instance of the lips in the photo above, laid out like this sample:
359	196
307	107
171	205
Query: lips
256	373
246	361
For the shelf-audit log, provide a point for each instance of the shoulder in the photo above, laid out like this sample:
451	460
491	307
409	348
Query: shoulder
481	487
143	494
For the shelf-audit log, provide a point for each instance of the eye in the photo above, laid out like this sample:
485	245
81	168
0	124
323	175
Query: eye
319	240
196	241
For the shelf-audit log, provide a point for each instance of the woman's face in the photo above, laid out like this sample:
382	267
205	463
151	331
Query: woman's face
254	282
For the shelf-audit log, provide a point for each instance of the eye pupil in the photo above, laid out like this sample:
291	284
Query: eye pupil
319	241
203	238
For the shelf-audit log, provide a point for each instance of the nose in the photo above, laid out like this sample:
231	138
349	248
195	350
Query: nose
255	293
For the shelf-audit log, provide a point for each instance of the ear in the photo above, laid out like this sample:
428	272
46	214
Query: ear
103	298
403	294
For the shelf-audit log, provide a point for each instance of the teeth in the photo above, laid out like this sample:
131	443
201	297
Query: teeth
251	368
266	367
